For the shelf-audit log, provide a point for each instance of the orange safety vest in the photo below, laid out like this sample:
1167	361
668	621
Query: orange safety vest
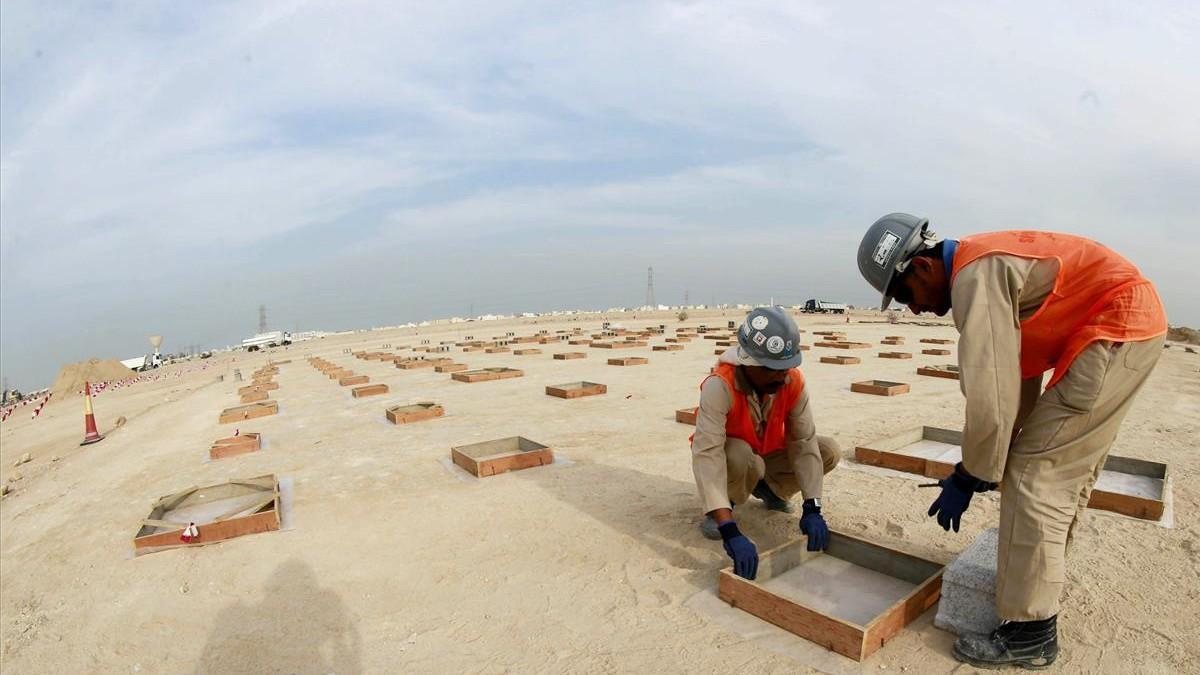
739	423
1098	295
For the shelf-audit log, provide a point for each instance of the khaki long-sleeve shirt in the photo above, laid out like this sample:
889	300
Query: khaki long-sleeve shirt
989	298
708	445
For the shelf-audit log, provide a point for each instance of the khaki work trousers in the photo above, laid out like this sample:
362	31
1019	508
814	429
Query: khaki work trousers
1053	464
745	468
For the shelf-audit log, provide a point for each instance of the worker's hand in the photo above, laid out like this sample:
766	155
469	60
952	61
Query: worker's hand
957	489
812	525
740	549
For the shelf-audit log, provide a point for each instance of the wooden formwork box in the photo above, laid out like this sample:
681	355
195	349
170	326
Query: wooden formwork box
948	371
369	390
936	352
579	341
576	389
526	352
686	415
524	339
496	350
450	368
567	356
413	364
841	360
220	512
887	452
248	412
845	345
829	333
678	339
353	380
627	344
339	373
269	386
473	348
891	341
486	374
235	445
417	412
720	350
837	633
501	456
893	337
253	396
261	380
726	343
895	355
879	387
629	361
668	348
937	341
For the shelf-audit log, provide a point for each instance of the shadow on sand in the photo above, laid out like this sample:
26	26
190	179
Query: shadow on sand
662	513
298	627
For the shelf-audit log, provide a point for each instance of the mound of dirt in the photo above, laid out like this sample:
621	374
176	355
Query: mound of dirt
71	378
1184	334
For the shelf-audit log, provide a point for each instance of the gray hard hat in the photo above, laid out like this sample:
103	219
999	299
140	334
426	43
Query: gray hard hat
769	338
888	247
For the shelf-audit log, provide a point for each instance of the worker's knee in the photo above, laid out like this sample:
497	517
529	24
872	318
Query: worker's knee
740	459
831	452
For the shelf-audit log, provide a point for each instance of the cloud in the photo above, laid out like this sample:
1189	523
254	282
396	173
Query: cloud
178	154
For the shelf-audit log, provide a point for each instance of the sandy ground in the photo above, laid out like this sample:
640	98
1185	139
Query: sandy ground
396	564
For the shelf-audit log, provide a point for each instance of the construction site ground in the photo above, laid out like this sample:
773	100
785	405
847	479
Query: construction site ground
396	562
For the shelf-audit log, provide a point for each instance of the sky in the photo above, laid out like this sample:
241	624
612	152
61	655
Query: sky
165	168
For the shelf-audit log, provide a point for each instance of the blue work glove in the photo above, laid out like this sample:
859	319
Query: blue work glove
741	549
957	489
812	525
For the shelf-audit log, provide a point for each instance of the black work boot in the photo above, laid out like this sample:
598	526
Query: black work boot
773	501
1029	644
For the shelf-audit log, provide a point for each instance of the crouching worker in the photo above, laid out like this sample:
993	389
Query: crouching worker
755	436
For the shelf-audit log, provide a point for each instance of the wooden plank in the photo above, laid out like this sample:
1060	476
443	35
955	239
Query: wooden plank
576	389
895	355
490	458
629	361
844	637
353	380
567	356
936	352
948	371
417	412
879	387
841	360
829	632
686	415
369	390
248	412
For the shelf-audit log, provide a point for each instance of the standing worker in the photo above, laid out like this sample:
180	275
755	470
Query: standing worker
755	436
1025	303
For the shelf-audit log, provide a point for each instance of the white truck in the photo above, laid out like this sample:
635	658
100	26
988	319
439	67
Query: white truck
273	338
814	306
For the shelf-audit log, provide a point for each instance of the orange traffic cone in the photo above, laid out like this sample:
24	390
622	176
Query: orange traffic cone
90	434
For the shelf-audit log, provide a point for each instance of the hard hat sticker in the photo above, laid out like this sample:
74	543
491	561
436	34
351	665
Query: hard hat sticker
759	322
759	338
883	250
774	344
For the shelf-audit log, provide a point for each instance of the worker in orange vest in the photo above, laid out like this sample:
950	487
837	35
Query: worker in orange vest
1025	303
755	436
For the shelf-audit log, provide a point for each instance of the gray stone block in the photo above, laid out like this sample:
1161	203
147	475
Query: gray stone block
968	603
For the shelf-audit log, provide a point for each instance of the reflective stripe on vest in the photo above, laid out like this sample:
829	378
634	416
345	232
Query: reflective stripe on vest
739	423
1098	295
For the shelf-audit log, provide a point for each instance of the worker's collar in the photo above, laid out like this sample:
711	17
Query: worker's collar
949	246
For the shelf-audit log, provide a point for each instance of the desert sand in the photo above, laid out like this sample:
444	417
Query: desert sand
396	563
